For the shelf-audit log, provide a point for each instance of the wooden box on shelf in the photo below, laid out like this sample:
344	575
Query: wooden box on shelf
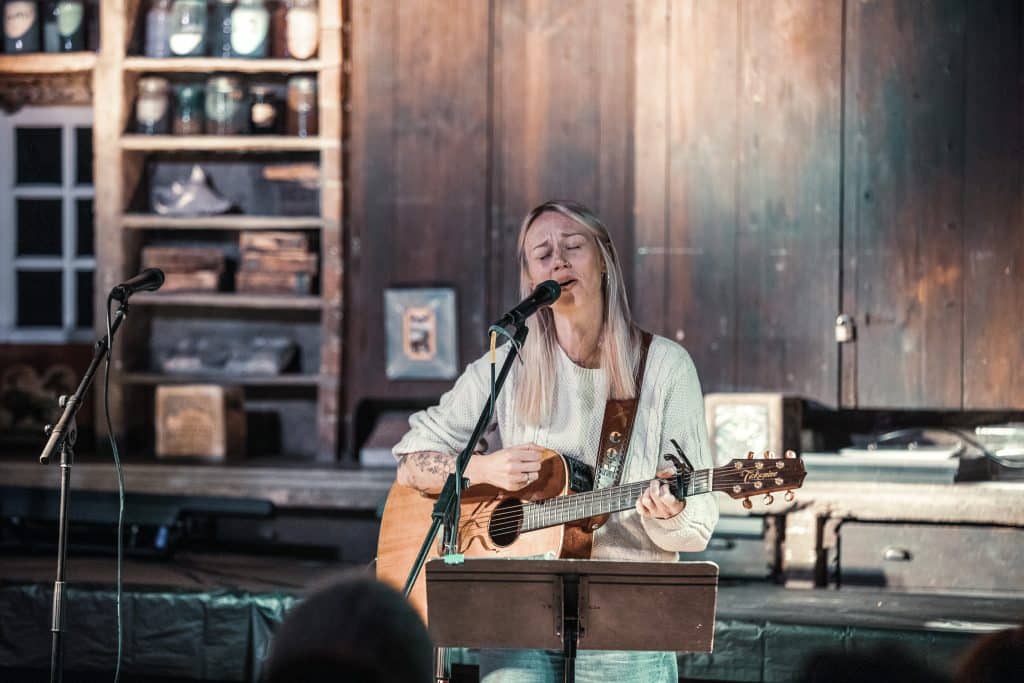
200	421
271	241
275	263
186	269
256	282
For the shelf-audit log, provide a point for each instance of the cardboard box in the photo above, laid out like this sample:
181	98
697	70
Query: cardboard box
200	421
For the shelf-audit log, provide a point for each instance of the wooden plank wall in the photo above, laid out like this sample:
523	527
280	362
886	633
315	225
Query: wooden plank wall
904	184
762	166
993	346
789	196
703	123
418	175
562	120
464	116
744	239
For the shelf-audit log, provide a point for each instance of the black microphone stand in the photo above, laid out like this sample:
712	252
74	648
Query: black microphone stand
63	435
446	510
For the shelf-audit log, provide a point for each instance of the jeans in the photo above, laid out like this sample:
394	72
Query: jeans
592	666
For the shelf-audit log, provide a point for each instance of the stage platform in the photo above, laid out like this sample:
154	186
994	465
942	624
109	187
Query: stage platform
210	618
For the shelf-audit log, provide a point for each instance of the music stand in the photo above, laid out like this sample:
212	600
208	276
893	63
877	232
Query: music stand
570	604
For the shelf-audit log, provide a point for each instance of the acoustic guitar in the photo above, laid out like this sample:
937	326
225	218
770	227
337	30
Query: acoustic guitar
556	515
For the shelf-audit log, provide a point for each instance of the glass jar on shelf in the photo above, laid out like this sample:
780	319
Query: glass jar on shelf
264	112
158	30
226	110
302	117
250	29
70	25
21	26
187	35
188	109
301	28
218	29
151	106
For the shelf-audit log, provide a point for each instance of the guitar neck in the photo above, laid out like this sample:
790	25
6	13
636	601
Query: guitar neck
567	509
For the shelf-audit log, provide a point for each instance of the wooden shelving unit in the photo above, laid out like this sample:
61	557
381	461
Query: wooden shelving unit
44	64
226	143
229	300
152	378
209	64
120	159
142	221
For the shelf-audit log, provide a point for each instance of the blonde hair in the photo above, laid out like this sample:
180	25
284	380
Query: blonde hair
537	383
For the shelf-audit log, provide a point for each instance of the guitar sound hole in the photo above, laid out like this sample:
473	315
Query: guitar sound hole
506	522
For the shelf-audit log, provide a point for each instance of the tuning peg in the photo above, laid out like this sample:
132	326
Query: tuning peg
790	496
790	454
768	499
750	455
769	455
747	504
47	429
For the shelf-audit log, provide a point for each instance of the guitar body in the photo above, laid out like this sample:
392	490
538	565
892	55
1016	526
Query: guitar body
487	525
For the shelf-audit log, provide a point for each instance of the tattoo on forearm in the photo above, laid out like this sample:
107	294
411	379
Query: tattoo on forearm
426	469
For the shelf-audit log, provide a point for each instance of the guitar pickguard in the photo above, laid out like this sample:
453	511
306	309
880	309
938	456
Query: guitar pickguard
581	476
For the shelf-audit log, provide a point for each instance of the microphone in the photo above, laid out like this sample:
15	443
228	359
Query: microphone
149	280
545	294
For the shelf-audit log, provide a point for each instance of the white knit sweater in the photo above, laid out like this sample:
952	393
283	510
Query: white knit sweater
671	406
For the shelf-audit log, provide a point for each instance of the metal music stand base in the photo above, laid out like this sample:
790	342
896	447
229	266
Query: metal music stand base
573	604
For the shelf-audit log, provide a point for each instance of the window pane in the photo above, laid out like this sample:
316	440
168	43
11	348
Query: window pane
39	158
84	294
83	156
40	298
39	227
85	232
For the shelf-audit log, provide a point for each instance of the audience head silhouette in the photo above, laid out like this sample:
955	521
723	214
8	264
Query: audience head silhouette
995	658
884	665
354	629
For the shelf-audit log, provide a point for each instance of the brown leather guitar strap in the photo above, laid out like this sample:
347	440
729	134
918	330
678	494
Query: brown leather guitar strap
617	427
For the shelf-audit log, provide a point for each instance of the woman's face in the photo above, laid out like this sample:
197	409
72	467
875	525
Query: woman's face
560	249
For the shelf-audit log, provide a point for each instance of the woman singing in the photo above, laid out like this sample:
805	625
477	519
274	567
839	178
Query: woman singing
580	352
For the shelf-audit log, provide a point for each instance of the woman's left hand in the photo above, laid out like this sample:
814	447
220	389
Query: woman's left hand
657	501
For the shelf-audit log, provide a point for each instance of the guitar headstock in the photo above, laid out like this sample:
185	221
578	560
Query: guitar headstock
743	478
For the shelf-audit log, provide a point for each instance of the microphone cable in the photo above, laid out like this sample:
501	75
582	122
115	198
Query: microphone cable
120	489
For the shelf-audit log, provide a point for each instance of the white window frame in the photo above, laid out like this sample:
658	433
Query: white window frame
68	262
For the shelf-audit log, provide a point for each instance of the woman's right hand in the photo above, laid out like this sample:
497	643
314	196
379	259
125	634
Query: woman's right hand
510	468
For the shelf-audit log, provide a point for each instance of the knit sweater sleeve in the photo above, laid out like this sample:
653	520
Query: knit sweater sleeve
683	420
447	426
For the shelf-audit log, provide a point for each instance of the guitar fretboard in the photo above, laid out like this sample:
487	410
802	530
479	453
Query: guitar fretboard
566	509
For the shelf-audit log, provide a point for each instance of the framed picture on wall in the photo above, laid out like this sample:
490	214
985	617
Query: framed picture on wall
421	333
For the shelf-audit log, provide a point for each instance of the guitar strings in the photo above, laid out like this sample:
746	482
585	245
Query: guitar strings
631	489
563	503
507	521
503	521
626	495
